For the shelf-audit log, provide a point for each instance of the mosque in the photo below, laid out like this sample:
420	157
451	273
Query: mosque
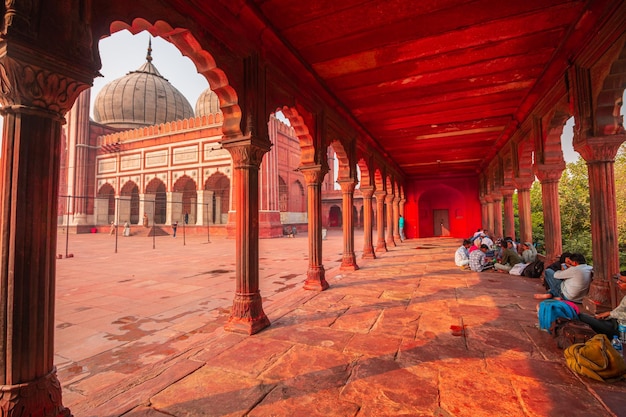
148	158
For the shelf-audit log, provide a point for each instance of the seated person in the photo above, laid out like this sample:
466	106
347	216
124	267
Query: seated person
570	284
476	244
479	261
607	322
461	256
558	264
529	253
510	257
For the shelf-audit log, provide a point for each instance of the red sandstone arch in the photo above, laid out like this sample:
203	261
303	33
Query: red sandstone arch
204	61
378	180
608	120
297	202
283	195
366	178
300	121
344	170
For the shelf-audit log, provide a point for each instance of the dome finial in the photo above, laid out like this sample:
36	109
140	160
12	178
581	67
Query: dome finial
149	56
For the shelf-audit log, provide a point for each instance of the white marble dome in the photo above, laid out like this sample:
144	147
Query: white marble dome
140	98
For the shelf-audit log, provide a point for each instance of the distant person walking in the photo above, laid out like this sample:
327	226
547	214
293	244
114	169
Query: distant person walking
112	232
401	228
145	220
174	227
126	229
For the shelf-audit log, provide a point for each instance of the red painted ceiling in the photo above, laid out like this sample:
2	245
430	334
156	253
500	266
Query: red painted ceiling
439	84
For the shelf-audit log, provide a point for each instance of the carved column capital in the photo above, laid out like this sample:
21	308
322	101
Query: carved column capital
246	152
347	186
523	183
549	173
389	198
26	86
599	148
367	192
507	191
314	174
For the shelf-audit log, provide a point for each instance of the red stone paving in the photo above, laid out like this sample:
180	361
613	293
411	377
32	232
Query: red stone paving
140	333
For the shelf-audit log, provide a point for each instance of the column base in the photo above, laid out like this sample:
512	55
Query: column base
368	253
599	298
391	242
348	263
247	315
41	397
381	247
315	280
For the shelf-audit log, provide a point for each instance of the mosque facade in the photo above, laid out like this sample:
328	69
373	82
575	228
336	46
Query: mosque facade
148	158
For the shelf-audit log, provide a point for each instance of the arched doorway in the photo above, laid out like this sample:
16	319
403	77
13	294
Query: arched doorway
185	190
334	217
219	184
107	193
131	190
156	188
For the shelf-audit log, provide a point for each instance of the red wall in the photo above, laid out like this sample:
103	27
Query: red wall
457	195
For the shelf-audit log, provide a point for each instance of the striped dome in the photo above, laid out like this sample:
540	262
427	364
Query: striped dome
208	103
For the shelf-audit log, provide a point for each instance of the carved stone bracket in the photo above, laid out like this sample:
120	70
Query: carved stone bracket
26	85
246	152
549	173
599	148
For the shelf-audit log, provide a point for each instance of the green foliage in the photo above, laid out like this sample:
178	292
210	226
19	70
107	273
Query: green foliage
575	211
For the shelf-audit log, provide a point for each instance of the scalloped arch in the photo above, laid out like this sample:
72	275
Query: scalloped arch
307	144
189	46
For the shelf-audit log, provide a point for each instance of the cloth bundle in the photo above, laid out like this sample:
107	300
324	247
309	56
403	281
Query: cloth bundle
596	359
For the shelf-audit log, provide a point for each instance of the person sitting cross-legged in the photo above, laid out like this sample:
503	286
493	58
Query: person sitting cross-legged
607	322
570	284
461	256
510	257
478	260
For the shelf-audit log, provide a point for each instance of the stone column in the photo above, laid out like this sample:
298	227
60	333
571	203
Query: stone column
389	208
368	246
549	176
484	211
247	315
599	153
348	262
396	218
381	246
523	201
509	213
490	214
314	175
34	101
497	215
78	157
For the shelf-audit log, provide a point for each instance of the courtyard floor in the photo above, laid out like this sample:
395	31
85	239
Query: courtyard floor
141	333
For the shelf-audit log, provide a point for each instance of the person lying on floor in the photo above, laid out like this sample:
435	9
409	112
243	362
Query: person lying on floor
607	322
570	284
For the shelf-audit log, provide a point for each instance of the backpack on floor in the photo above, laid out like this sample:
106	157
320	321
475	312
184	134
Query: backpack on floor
568	332
533	270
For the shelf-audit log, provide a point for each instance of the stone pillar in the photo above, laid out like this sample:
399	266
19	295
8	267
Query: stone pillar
78	157
34	101
381	246
523	201
368	247
348	262
549	176
599	153
509	213
484	211
396	218
490	214
247	315
497	215
314	175
389	208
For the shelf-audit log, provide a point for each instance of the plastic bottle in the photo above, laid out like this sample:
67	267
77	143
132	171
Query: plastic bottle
621	328
617	345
